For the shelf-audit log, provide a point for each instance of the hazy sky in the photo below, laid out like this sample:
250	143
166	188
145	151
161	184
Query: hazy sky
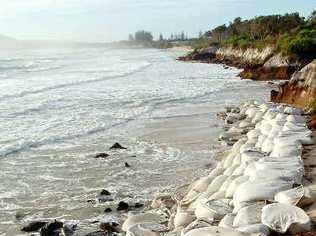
106	20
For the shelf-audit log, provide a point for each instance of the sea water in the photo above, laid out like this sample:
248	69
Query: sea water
60	107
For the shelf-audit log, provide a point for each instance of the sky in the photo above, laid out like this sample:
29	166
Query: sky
110	20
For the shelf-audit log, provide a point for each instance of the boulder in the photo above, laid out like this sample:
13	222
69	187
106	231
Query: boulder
122	206
117	146
34	226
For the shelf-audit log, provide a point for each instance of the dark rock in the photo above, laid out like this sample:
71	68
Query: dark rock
97	233
92	201
70	227
102	155
52	229
117	146
138	205
104	196
107	210
105	192
34	226
127	165
109	227
122	206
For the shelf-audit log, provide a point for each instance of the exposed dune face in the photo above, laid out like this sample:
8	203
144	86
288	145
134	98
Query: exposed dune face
300	90
257	64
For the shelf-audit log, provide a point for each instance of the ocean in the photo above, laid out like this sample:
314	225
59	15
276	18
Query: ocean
61	107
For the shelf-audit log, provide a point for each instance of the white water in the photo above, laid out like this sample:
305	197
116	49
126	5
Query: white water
58	108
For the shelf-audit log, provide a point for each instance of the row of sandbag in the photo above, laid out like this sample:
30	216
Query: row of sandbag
261	165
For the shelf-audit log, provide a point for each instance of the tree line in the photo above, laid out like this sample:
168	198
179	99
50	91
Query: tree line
292	34
145	36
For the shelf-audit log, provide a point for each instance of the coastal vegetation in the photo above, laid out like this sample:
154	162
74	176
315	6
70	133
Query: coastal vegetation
290	34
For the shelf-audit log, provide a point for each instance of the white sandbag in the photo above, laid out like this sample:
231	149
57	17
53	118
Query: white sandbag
183	218
280	117
249	215
237	161
142	218
267	145
202	184
287	163
239	170
190	197
203	197
246	147
145	230
265	128
298	127
252	142
227	221
251	112
227	182
304	137
240	205
229	160
269	115
215	231
258	126
218	170
197	224
236	147
274	132
216	184
284	218
264	107
258	117
296	119
229	171
253	134
255	230
284	150
213	209
217	195
260	190
261	139
234	185
300	196
291	175
250	156
293	111
245	124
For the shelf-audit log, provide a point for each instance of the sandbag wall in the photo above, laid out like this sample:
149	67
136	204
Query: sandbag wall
257	188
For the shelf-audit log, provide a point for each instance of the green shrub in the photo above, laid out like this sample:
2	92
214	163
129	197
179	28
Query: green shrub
303	44
312	107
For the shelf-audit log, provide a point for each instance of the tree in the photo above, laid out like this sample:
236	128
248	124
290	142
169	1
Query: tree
200	34
219	32
182	36
312	17
143	36
161	37
130	37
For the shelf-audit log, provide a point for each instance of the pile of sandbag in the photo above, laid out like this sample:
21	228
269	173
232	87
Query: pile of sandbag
264	165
